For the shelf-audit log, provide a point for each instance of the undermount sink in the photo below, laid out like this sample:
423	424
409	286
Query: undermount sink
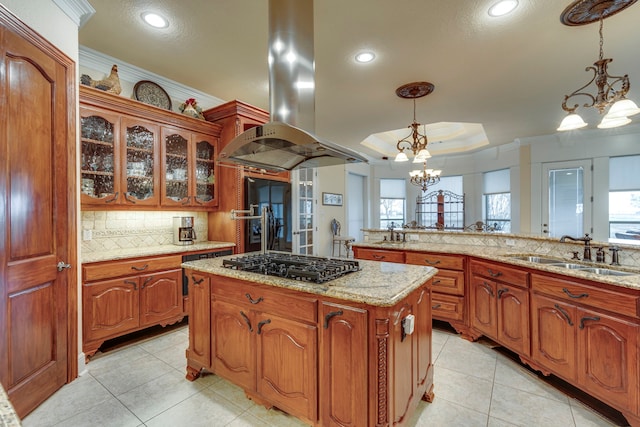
606	271
536	259
569	265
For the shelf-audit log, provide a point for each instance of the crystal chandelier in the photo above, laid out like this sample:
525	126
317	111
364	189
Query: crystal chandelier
415	142
611	90
425	177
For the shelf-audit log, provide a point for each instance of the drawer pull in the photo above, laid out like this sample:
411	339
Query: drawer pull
143	268
435	307
564	313
435	282
247	321
378	257
595	319
131	282
566	291
253	301
494	273
197	281
329	316
502	291
261	324
436	262
488	288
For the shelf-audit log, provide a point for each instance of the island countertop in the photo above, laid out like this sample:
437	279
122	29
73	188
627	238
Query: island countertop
380	284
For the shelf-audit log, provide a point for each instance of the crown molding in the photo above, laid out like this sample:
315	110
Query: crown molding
80	11
99	61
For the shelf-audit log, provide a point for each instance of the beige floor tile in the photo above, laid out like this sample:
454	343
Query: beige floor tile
129	374
442	413
465	390
514	375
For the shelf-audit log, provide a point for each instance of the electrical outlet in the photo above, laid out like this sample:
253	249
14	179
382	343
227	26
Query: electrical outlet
413	237
510	242
86	235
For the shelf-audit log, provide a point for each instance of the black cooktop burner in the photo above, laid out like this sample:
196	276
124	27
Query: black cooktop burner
299	267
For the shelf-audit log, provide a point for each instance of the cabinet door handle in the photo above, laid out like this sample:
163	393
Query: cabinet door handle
143	268
147	280
594	318
435	307
566	291
197	281
253	301
131	282
488	288
198	200
247	321
427	261
115	197
329	316
187	201
564	313
261	324
129	199
494	273
502	291
378	257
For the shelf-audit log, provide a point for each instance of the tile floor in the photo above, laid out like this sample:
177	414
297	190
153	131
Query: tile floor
141	383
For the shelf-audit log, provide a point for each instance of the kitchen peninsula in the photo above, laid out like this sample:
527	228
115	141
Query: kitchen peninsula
355	350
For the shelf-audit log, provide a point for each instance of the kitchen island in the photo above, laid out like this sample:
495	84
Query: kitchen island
352	351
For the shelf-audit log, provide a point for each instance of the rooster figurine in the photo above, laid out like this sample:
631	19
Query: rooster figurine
110	84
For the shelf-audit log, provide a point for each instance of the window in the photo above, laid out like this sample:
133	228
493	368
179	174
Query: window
392	202
497	200
624	199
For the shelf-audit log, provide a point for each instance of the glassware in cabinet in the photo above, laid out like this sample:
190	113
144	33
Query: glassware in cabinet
140	179
98	170
176	167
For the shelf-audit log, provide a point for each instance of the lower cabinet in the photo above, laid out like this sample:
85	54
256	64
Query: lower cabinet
587	346
113	307
325	361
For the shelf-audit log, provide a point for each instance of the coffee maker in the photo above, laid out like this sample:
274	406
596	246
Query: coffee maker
183	230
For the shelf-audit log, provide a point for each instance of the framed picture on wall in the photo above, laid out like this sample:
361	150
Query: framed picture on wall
331	199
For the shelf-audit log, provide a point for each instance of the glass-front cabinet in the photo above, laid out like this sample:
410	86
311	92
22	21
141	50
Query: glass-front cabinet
190	169
141	177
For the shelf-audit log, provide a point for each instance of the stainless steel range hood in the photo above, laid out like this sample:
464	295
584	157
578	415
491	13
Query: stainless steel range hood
287	141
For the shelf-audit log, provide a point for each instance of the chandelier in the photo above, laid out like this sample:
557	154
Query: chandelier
611	90
415	142
425	177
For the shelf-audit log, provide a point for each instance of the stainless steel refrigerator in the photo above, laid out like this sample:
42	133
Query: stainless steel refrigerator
276	196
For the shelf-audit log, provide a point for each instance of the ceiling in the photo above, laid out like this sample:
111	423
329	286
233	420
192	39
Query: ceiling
510	73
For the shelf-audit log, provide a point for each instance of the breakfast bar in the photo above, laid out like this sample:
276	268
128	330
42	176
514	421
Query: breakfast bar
339	352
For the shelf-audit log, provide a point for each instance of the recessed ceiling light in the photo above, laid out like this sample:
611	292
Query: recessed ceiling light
364	57
155	20
503	7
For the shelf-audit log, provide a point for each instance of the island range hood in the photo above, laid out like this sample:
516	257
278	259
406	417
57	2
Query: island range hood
287	140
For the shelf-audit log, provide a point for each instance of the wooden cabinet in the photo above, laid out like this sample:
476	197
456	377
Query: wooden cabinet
266	342
577	337
199	351
121	297
379	255
136	156
499	304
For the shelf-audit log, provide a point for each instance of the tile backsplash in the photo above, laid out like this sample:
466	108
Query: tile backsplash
112	230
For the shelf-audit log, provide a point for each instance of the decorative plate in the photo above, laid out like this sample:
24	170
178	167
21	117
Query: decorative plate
151	93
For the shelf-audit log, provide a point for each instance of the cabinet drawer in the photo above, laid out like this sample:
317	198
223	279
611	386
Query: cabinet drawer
447	307
579	293
380	255
260	298
500	273
439	261
449	282
106	270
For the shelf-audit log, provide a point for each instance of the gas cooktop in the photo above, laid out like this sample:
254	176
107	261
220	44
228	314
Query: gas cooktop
298	267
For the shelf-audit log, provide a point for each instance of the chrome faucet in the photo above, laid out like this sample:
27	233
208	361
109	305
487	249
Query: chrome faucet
587	245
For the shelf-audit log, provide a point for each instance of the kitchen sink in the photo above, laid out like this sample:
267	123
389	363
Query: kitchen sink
569	265
606	271
536	259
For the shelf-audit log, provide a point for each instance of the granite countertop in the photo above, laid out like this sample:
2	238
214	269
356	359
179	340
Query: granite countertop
380	284
117	254
507	256
8	417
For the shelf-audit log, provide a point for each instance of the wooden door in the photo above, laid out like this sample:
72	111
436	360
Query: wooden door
175	166
343	375
608	358
38	302
199	351
205	169
513	318
286	364
161	297
482	306
553	336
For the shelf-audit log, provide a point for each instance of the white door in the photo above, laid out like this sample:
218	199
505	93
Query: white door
566	201
356	207
304	227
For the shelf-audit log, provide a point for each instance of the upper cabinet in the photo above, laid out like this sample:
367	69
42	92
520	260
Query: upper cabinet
138	156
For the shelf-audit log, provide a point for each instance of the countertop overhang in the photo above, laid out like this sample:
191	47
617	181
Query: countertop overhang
379	284
117	254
